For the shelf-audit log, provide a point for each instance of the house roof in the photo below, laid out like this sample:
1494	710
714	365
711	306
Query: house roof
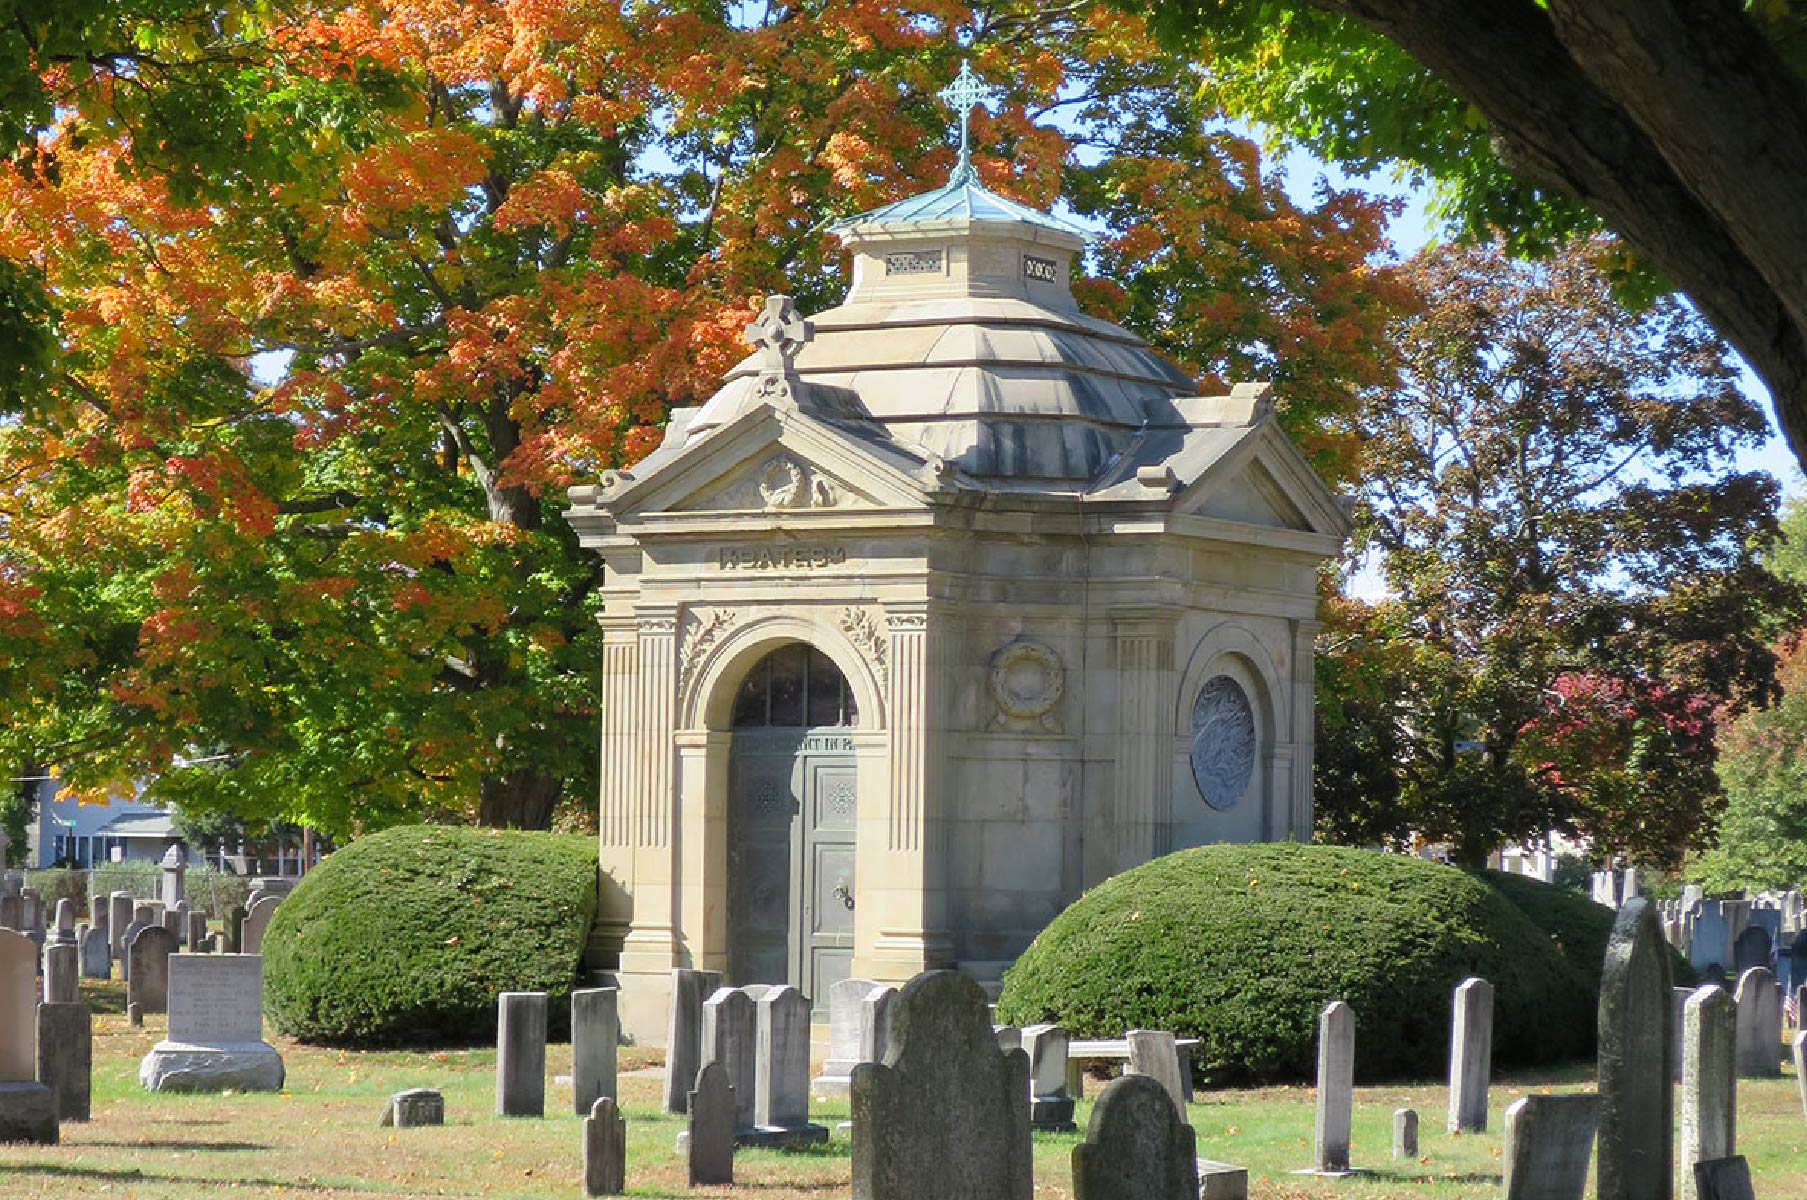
158	825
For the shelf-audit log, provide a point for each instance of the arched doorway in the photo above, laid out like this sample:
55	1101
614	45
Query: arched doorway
791	806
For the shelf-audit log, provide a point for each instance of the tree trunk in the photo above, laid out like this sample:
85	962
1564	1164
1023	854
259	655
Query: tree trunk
522	799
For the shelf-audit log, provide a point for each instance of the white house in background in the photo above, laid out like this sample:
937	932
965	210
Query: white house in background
92	834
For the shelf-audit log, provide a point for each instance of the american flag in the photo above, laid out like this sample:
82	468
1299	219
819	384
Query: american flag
1791	1007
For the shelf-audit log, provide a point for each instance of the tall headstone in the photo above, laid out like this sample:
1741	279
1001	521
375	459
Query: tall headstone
257	920
96	955
844	1000
1152	1052
1137	1146
147	983
62	929
196	936
521	1054
684	1033
62	974
1336	1089
132	930
875	1023
119	915
947	1113
215	1039
1405	1134
781	1070
1549	1140
1750	950
1709	1084
27	1107
1050	1108
33	915
731	1038
605	1147
235	929
172	919
1759	1024
1799	1046
1470	1056
709	1135
66	1056
173	868
1711	942
1724	1179
595	1034
1637	1069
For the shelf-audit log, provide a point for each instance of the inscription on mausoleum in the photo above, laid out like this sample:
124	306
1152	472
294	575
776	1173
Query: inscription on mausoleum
779	558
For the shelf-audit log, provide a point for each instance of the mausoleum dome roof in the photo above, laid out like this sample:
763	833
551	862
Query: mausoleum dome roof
960	336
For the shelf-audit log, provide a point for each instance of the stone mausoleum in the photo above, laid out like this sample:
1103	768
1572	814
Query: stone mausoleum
951	603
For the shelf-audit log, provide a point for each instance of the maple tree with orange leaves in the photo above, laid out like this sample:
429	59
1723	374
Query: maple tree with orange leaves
332	302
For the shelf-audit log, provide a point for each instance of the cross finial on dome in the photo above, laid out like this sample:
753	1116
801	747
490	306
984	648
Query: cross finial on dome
963	95
779	333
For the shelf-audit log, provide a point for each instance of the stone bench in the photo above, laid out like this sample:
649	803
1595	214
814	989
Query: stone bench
1080	1052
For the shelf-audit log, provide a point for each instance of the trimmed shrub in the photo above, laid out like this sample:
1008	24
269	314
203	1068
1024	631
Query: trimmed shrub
1242	946
406	936
1577	927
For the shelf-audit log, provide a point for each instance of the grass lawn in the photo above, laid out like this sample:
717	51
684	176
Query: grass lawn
320	1137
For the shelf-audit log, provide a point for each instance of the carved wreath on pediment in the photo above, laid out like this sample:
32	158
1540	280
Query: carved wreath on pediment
1027	681
782	482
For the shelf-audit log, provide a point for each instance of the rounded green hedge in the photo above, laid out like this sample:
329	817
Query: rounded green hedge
406	936
1242	946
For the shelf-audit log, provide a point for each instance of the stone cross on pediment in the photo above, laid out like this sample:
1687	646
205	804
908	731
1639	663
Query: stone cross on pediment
780	334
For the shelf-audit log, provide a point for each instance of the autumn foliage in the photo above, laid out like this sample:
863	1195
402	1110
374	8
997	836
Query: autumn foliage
341	297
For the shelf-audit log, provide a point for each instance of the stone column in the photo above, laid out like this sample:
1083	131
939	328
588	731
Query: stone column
650	948
1470	1056
1144	650
620	663
902	893
1336	1088
1709	1084
1304	728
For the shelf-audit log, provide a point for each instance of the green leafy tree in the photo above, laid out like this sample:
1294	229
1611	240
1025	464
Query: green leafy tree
1573	565
1763	759
1680	124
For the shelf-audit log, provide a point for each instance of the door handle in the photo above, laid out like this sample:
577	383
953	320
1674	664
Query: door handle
840	892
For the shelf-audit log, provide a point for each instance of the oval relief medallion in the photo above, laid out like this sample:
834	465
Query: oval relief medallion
1223	743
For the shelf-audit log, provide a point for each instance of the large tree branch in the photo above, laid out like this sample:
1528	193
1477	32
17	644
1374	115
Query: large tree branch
1554	125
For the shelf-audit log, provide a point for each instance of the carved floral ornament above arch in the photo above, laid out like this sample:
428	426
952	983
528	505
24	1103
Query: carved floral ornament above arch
716	643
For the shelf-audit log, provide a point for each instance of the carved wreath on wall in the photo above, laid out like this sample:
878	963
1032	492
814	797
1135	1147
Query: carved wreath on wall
1026	682
1223	743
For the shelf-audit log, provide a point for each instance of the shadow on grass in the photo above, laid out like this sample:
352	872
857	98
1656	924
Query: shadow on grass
218	1147
69	1171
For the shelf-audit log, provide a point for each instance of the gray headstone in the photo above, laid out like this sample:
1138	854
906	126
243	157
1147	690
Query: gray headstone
875	1023
1549	1140
1222	1181
96	955
1470	1056
1336	1088
235	930
595	1034
62	974
119	915
257	920
1799	1045
132	929
414	1107
684	1033
1724	1179
1637	1071
172	920
845	997
1750	950
709	1136
946	1106
215	1040
781	1068
62	931
1050	1108
521	1054
731	1038
12	913
1709	1083
66	1056
174	867
196	939
1137	1146
1152	1053
605	1149
1405	1133
147	984
27	1107
1759	1024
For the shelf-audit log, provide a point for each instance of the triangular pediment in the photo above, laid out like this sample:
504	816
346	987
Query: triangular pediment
771	460
1254	497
